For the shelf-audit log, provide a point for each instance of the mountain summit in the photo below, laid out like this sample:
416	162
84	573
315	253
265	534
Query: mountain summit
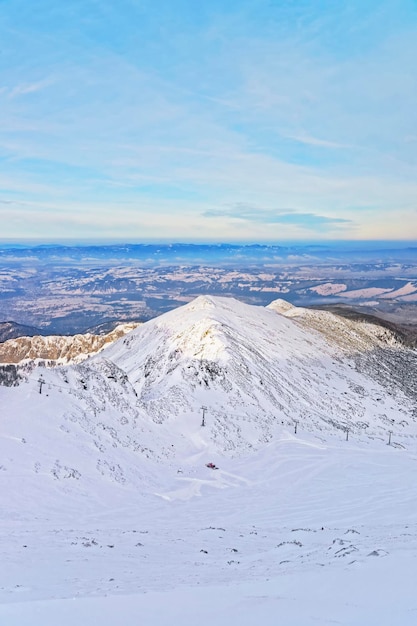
258	369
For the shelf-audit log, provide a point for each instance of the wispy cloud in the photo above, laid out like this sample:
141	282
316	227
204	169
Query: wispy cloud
316	141
28	88
303	105
308	221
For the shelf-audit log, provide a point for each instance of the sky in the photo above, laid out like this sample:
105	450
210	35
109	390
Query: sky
246	120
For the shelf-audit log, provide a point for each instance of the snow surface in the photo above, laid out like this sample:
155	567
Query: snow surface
329	289
369	292
405	290
109	514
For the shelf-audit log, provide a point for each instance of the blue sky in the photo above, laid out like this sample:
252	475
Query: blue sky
217	119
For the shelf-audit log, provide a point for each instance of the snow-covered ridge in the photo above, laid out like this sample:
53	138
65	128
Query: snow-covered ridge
351	335
59	350
256	369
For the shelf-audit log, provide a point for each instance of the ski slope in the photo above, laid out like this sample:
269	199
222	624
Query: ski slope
300	532
109	514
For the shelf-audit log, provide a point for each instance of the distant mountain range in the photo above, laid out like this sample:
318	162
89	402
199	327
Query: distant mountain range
221	253
64	290
12	330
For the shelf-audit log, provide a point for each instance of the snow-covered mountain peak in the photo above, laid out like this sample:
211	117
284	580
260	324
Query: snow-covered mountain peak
205	328
215	308
257	370
284	307
202	302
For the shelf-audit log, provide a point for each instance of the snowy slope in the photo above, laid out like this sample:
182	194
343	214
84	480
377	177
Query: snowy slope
306	533
257	371
105	489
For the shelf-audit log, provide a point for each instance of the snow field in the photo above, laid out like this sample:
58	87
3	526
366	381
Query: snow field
110	515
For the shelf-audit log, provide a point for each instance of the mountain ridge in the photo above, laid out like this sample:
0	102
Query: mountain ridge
12	330
262	363
108	426
58	349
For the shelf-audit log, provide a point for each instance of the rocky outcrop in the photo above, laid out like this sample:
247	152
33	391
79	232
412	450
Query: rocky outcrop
60	350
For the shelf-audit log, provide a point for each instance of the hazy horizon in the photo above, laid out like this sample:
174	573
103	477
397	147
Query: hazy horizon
371	243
